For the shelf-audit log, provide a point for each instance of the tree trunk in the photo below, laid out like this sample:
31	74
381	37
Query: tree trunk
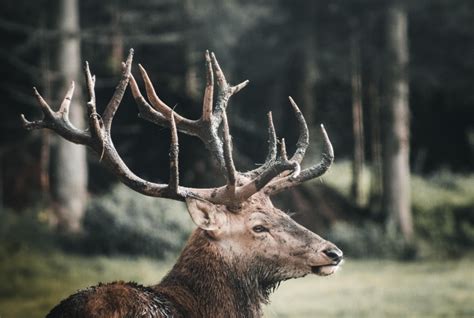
396	170
357	123
45	151
376	188
116	57
69	162
190	55
309	75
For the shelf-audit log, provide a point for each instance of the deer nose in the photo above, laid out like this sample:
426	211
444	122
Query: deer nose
334	254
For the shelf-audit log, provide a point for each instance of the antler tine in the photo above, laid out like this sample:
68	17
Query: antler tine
209	91
64	108
155	101
272	139
301	145
272	149
147	112
225	90
303	139
207	128
221	149
90	82
174	155
307	174
283	154
48	114
95	120
229	161
57	121
273	170
116	98
45	108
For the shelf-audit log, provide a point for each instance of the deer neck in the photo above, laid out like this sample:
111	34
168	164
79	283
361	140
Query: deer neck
205	283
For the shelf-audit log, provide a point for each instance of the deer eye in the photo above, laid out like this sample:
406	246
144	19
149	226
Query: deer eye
259	229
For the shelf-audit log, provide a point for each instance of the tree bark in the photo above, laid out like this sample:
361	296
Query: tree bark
309	77
45	151
117	56
396	170
376	187
357	123
69	162
190	57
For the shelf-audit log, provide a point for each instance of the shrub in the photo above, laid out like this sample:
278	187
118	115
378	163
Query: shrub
125	222
442	208
368	240
24	231
443	212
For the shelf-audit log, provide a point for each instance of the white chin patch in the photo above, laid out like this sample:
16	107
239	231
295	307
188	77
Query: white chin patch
328	270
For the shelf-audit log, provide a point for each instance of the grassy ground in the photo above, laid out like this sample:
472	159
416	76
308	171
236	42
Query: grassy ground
381	289
32	283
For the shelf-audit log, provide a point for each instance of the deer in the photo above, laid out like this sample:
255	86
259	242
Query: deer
242	247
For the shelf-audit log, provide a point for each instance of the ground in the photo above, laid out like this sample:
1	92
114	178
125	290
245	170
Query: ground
32	283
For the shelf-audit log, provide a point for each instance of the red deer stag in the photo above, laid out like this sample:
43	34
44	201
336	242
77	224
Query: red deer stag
243	246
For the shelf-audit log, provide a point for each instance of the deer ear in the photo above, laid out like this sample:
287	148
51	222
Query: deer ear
205	214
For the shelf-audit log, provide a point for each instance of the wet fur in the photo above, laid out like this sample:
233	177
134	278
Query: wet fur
201	284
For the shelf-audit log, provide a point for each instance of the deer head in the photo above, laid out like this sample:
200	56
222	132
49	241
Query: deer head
238	218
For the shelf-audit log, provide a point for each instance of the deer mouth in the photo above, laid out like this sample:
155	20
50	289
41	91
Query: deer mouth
325	270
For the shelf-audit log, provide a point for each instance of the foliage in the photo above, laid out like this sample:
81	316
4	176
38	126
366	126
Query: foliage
443	212
125	222
369	239
34	281
25	231
443	215
118	222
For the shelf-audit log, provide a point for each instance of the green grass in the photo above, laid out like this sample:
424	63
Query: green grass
31	283
381	289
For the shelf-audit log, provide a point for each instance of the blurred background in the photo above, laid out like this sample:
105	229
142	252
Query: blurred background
392	81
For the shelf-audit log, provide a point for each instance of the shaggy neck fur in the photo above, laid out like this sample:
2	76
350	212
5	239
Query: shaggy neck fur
205	284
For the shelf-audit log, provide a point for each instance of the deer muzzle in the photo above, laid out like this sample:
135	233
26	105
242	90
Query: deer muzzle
330	258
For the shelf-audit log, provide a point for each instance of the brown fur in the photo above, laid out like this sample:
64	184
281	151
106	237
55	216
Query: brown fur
228	271
201	284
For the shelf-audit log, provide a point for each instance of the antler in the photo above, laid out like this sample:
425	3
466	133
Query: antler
212	128
98	136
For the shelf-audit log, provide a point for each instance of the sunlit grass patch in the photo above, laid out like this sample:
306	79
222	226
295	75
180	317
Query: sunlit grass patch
381	289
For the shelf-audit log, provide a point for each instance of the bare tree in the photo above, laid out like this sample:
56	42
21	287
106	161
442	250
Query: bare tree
69	188
396	170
